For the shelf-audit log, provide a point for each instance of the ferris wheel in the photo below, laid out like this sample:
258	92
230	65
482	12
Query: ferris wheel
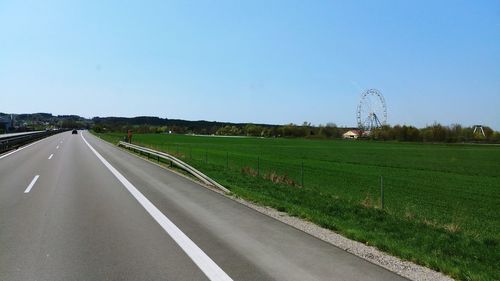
372	110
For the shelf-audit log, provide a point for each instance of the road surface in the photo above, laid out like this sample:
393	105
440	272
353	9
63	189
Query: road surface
73	207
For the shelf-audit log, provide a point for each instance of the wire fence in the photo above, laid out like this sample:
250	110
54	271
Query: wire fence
292	172
255	165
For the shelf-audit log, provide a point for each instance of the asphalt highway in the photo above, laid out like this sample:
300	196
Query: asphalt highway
73	207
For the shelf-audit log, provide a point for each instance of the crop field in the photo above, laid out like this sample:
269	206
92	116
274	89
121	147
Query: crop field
441	202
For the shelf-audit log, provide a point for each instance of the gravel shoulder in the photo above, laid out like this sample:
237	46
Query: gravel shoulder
406	269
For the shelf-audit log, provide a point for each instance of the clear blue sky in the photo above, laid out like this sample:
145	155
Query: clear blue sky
252	61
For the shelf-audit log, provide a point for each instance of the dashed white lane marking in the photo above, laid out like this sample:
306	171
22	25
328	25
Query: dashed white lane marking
19	149
204	262
50	157
32	183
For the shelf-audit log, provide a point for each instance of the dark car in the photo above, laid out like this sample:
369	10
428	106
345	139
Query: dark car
74	132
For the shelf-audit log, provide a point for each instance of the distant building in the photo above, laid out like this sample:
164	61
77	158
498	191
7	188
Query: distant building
352	134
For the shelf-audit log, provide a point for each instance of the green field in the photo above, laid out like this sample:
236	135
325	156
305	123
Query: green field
441	202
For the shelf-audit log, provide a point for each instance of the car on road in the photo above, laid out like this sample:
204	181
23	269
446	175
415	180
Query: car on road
74	132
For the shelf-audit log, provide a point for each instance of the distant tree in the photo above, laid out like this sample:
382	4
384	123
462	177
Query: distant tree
69	124
413	134
330	131
98	128
495	137
383	133
467	134
253	130
228	131
434	133
455	133
488	132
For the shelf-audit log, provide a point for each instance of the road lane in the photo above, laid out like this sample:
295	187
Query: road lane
7	154
79	222
207	265
18	169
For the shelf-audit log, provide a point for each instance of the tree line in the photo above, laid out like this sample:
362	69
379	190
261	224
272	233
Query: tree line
433	133
436	133
149	124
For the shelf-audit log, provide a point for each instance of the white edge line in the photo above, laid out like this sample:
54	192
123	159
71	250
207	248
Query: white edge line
19	149
50	157
32	183
204	262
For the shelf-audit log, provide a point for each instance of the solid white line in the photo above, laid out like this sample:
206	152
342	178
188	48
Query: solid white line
19	149
50	157
204	262
28	189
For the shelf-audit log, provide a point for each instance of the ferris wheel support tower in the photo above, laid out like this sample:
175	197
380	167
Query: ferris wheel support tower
372	110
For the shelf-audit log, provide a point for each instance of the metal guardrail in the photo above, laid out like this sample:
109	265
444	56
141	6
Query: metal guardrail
179	163
14	141
10	135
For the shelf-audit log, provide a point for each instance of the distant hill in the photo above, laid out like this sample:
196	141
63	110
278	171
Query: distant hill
176	125
41	120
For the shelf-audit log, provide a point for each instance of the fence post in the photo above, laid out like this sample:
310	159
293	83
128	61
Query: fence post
381	192
302	172
258	165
